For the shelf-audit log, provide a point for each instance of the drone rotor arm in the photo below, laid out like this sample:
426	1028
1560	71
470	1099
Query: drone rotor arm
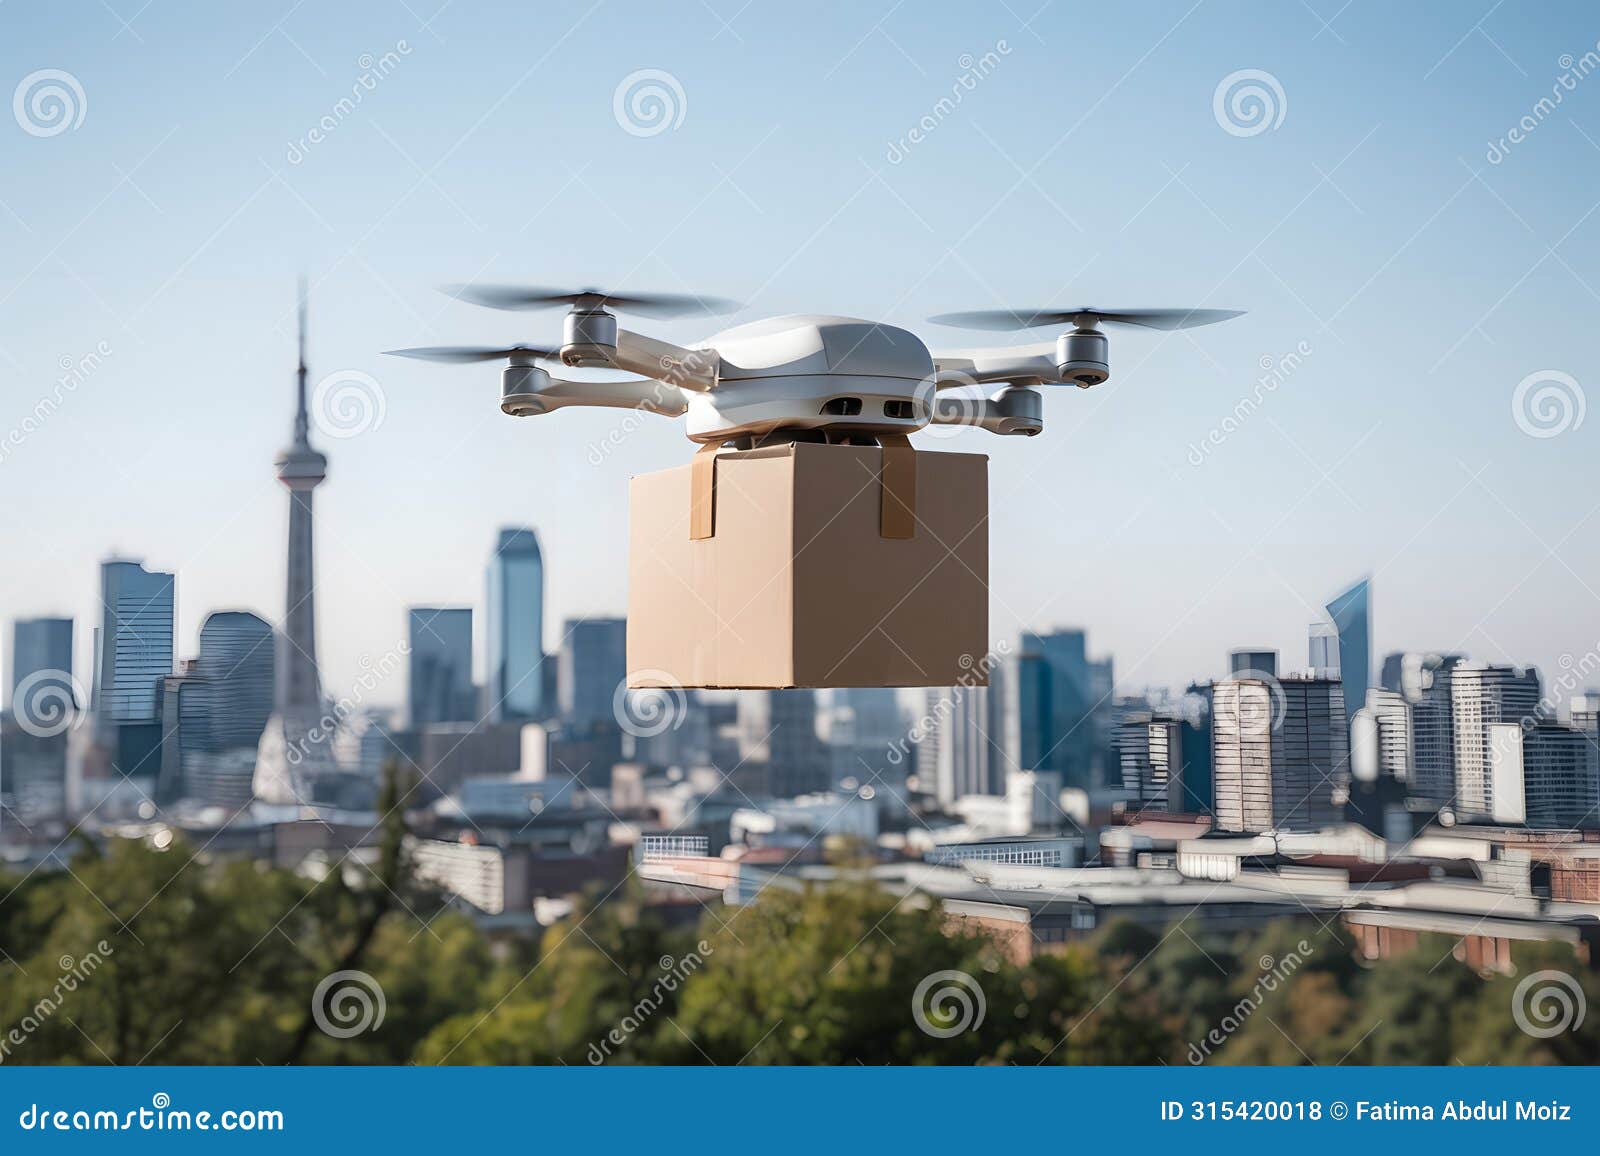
691	369
1004	363
651	396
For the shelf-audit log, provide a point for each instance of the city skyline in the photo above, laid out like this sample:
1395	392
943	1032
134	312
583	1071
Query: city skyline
1317	226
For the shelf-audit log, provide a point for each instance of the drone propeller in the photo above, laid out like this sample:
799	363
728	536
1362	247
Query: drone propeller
1084	318
462	354
534	297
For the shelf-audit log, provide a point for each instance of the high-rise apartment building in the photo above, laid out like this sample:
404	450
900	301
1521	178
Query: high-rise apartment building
1481	696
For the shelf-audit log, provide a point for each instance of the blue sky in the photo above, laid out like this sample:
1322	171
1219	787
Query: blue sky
1367	227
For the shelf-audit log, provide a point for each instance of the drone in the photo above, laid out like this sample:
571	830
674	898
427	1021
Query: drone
803	377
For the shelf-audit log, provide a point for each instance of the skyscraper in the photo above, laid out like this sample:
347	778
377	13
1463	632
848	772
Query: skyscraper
185	732
133	655
1055	718
968	751
295	750
1242	713
1322	648
593	664
778	728
515	627
1195	742
1392	742
1280	753
439	689
1423	681
44	705
41	656
1311	755
1351	615
1249	661
1558	783
236	662
1482	696
1150	755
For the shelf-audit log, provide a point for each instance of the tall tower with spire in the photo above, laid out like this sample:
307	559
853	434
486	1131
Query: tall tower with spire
302	470
295	756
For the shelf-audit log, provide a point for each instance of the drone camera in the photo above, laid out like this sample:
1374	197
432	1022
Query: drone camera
1082	357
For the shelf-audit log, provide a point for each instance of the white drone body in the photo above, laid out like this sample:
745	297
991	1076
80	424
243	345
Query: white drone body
811	377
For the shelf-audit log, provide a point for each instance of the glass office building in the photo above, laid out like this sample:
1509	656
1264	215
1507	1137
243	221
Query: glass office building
514	630
237	662
439	689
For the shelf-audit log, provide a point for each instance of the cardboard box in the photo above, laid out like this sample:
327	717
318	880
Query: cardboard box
815	565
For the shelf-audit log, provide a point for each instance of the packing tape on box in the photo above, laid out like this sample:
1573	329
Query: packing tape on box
703	492
897	479
898	512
